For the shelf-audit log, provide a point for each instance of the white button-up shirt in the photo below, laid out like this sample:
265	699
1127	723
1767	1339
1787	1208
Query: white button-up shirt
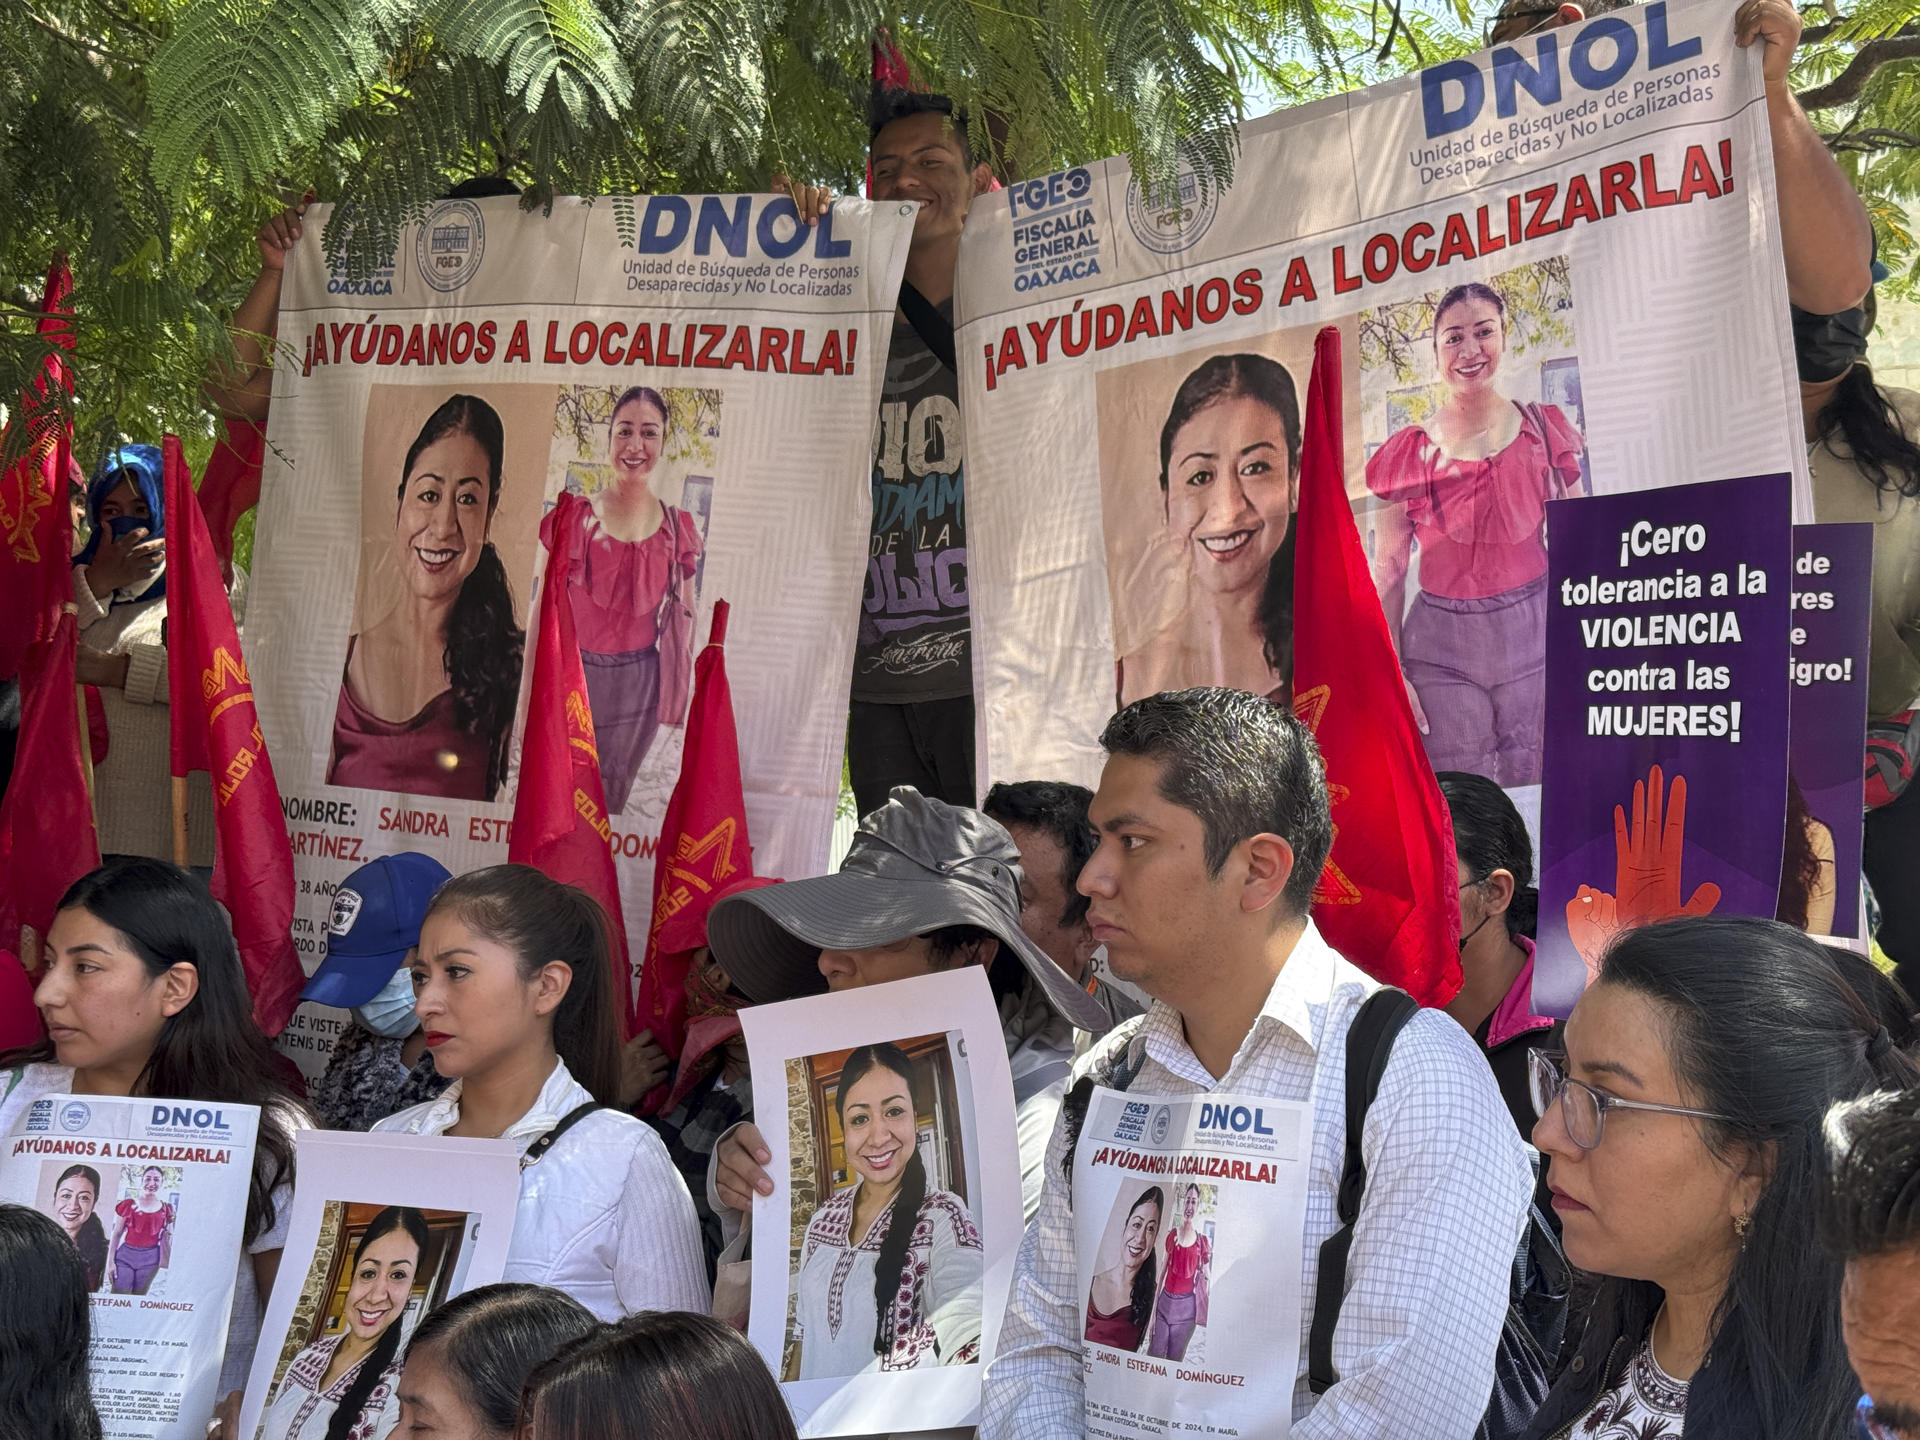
1448	1184
603	1215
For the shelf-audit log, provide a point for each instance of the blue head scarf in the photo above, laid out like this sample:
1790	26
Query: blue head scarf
141	465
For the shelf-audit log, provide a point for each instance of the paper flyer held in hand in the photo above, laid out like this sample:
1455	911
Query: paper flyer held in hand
153	1194
1186	1209
384	1229
865	1100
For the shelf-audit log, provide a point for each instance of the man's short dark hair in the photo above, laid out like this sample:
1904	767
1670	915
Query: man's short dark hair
1870	1204
1054	808
1242	764
889	103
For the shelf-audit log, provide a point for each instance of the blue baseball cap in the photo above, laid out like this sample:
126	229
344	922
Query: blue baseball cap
376	920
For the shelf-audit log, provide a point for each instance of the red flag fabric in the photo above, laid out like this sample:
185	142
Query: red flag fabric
560	822
46	821
216	728
1387	899
703	847
231	486
36	531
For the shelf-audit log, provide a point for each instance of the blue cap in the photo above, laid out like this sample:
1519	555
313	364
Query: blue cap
376	920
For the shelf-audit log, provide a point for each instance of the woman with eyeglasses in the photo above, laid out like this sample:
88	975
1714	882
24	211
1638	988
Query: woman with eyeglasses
1684	1126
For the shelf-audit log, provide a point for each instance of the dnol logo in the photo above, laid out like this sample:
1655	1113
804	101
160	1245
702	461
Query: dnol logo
450	243
1171	217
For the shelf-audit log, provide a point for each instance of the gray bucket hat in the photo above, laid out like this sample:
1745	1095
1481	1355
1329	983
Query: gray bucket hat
917	864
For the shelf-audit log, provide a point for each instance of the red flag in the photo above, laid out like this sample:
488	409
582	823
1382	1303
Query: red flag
703	847
46	822
1387	899
36	532
216	728
231	486
560	822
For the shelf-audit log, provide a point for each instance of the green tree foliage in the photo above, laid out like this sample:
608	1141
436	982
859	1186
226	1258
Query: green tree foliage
147	139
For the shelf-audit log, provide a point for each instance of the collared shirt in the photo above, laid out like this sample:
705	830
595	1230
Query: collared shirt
603	1215
1427	1279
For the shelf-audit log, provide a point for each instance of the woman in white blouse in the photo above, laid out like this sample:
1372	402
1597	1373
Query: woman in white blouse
513	984
346	1386
890	1271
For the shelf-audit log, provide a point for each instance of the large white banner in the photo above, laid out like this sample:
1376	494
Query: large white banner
1556	271
705	370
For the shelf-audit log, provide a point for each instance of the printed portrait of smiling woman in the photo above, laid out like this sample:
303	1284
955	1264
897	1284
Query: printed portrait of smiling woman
346	1386
890	1270
1120	1300
1229	451
75	1195
426	701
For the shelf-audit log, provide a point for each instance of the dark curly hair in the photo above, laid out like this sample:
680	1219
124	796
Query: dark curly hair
485	643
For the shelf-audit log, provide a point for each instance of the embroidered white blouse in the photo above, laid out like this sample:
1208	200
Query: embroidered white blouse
301	1410
936	1306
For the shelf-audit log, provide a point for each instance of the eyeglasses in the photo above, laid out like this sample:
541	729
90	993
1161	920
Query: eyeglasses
1868	1428
1507	17
1583	1108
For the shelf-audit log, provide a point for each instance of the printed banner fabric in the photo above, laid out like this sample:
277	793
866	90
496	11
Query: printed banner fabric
705	372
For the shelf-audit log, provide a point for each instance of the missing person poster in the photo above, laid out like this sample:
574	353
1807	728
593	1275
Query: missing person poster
1556	271
704	370
153	1194
897	1193
1832	623
1667	652
1180	1201
384	1228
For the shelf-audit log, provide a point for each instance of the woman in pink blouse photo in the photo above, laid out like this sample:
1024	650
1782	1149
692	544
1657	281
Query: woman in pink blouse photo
633	556
1471	486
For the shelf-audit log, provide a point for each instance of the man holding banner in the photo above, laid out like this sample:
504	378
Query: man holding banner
1214	824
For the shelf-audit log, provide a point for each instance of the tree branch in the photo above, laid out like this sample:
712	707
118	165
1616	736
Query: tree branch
1845	87
1867	141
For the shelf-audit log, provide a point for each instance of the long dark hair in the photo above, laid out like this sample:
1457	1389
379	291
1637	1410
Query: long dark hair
1799	866
91	1242
1489	835
542	920
489	1341
1228	377
1146	1280
1766	1027
347	1414
658	1373
45	1332
1864	421
484	641
211	1050
903	1211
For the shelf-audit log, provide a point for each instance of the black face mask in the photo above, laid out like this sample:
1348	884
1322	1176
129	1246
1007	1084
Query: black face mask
1825	347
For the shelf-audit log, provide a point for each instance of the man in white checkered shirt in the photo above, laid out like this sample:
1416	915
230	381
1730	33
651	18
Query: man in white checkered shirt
1214	826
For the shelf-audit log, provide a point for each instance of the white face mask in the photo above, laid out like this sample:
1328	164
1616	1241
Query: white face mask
390	1014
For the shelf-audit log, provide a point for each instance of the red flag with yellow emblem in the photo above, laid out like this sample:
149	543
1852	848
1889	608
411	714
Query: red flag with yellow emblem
703	848
216	728
560	821
1387	900
36	532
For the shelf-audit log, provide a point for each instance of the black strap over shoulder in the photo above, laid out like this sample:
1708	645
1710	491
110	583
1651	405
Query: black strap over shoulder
538	1149
1369	1046
933	328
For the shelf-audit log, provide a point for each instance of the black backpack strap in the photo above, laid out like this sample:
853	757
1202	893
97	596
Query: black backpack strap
1369	1045
933	328
538	1149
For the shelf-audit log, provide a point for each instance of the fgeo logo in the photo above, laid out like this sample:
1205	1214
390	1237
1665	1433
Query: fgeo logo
1172	216
450	244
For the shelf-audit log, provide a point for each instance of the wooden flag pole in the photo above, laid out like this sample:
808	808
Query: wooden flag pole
180	820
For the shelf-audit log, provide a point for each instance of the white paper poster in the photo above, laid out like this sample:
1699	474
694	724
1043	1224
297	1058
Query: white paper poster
705	371
1556	271
384	1228
154	1195
1189	1217
865	1101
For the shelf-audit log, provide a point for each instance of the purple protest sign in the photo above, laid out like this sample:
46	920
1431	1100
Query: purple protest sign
1666	730
1832	619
